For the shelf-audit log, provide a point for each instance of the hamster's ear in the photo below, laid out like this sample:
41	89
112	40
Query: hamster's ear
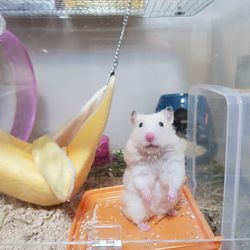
169	114
133	117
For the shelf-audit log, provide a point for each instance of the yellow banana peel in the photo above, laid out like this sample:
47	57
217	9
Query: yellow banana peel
51	169
55	167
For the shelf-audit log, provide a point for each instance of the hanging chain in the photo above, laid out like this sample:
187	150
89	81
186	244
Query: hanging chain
124	25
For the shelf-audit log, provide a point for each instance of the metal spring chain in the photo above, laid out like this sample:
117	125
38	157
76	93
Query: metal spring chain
124	25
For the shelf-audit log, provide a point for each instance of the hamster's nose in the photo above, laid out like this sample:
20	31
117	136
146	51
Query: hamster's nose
150	137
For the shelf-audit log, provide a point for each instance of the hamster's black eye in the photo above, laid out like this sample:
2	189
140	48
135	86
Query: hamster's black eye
140	125
161	124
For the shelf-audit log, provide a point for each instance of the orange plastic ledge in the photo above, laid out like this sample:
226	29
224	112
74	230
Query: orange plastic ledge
189	225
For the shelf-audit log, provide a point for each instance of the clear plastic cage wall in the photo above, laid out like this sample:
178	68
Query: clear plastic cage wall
218	122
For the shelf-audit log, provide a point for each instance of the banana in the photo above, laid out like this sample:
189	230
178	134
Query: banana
53	168
15	141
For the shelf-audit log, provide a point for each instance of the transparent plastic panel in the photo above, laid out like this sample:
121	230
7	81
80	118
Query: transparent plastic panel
236	244
242	212
206	153
214	124
240	244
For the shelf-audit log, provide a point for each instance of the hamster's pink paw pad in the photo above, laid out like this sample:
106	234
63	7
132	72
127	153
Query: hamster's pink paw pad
172	212
144	227
146	194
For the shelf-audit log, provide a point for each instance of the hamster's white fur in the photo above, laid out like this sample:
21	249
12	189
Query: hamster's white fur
155	172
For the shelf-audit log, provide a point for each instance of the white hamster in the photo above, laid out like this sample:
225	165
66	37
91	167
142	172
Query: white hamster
155	158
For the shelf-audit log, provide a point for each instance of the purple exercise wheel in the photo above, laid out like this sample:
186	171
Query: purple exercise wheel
18	88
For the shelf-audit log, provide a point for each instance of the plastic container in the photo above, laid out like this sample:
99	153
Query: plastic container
179	103
102	153
18	99
224	180
176	101
100	221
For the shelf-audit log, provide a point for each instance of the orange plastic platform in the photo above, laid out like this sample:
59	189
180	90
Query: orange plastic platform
187	230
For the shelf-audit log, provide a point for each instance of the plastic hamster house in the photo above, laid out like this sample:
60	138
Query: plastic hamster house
224	131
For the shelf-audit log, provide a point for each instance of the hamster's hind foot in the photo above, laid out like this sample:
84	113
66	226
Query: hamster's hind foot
144	227
172	212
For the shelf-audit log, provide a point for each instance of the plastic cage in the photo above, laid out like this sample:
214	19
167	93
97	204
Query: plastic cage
63	8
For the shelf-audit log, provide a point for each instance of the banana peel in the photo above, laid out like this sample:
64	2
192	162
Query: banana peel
53	168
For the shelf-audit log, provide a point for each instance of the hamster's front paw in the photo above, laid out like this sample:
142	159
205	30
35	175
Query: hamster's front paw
146	195
172	196
144	227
